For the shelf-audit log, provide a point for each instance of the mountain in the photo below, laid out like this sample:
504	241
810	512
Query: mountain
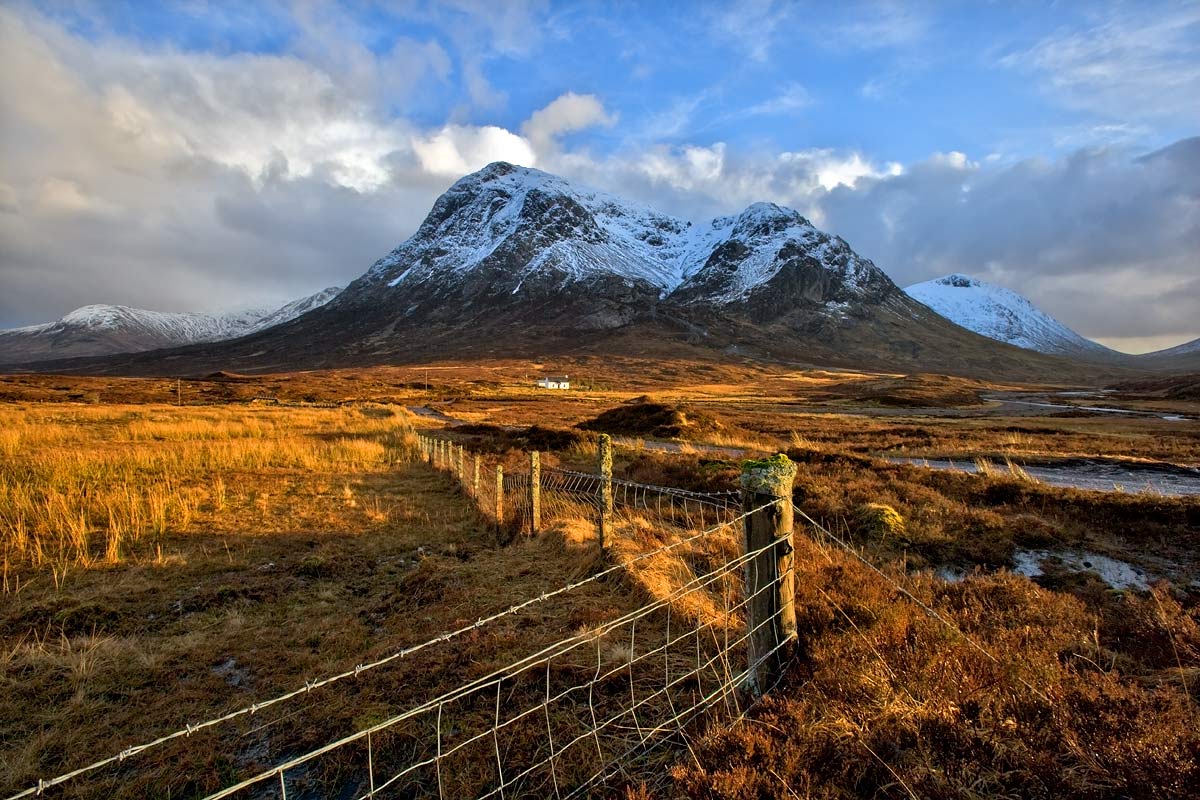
1181	358
100	330
1004	315
515	262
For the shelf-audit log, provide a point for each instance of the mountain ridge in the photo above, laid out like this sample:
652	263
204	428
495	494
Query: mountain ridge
512	261
103	330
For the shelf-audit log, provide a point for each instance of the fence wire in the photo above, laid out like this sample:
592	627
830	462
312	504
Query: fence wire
563	719
556	722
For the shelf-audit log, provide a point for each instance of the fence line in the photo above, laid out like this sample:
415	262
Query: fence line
563	493
726	683
565	489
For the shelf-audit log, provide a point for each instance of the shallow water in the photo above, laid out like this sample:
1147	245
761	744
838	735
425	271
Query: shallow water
1116	573
1093	476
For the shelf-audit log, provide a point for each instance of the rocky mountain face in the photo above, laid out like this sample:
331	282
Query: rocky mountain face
1004	315
515	262
101	330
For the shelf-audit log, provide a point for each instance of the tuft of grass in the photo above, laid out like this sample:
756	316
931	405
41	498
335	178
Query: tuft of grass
880	521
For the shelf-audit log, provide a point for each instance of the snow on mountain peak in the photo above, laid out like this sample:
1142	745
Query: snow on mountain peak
109	329
524	224
1000	314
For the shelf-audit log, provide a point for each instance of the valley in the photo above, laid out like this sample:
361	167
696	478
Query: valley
294	504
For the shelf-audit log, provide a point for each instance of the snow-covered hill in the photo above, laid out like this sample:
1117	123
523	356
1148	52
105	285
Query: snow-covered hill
515	262
509	233
1185	349
1003	315
97	330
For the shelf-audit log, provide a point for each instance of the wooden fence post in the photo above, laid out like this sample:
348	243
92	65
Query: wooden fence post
458	465
604	450
499	497
770	579
535	493
475	478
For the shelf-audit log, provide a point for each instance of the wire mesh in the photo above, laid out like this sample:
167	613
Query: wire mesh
564	718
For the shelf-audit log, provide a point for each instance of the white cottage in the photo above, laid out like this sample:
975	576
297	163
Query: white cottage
554	382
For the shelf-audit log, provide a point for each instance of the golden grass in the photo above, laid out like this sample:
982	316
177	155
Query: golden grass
86	485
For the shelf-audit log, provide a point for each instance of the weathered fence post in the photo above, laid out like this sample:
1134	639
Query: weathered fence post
475	478
535	493
458	465
770	579
499	497
604	450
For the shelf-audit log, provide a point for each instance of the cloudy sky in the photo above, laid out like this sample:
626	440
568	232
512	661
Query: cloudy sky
202	156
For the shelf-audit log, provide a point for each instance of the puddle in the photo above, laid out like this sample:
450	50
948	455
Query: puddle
231	672
1012	401
1093	476
1116	573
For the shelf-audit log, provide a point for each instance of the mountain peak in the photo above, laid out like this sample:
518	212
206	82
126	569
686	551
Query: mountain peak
960	281
1003	315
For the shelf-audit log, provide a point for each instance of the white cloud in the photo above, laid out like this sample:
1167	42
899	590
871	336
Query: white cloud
792	98
1140	62
565	114
456	150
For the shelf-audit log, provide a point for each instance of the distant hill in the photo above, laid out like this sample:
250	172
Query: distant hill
100	330
1181	358
1004	315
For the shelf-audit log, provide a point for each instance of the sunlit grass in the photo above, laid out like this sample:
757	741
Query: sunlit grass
86	485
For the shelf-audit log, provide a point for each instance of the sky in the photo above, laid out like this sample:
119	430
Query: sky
205	156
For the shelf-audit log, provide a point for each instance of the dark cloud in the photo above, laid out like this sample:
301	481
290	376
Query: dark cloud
1106	241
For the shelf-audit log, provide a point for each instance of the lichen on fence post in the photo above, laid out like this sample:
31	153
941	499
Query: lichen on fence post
604	454
770	578
535	493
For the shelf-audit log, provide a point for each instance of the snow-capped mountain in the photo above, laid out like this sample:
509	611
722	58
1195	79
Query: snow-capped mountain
288	312
512	261
98	330
1003	315
509	236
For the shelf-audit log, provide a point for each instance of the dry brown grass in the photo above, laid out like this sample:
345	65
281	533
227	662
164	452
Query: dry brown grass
286	544
81	486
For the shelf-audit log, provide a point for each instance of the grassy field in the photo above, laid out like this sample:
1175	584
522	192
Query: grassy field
162	564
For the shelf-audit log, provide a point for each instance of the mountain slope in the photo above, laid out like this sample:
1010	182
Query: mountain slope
100	330
1005	316
515	262
1181	358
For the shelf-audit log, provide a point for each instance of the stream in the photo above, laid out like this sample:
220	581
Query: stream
1097	476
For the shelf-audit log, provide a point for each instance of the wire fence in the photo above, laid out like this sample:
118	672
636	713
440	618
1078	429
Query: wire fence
512	499
565	718
559	721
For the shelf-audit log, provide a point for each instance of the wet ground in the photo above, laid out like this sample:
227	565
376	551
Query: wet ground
1098	476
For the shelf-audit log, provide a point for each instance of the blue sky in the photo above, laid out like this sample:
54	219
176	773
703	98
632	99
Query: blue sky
895	80
248	153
